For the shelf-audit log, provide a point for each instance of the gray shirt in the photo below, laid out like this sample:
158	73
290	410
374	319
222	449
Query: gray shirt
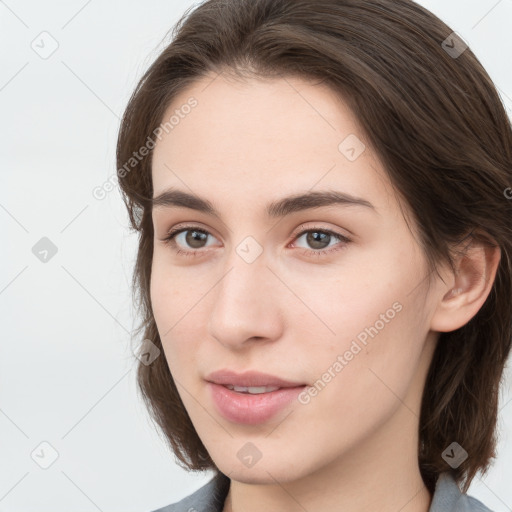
210	498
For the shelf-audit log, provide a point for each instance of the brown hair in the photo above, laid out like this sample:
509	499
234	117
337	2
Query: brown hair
437	124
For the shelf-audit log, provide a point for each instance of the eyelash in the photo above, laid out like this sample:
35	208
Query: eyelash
169	240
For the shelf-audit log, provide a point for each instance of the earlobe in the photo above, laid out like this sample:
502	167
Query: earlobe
465	293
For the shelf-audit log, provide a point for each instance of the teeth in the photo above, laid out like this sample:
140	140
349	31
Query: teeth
254	390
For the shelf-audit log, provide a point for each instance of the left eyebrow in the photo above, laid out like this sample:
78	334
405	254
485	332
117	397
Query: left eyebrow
279	208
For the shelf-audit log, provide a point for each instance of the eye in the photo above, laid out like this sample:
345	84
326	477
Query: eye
191	236
194	237
319	239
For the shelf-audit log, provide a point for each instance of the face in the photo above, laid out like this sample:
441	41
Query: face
328	296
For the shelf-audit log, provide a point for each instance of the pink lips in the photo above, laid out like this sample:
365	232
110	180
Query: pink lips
246	408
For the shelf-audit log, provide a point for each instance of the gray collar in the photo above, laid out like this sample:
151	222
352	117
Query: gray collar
210	498
448	497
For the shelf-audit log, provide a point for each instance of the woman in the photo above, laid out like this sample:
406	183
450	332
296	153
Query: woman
324	267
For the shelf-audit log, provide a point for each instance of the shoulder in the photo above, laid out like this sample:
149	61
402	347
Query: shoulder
448	497
208	498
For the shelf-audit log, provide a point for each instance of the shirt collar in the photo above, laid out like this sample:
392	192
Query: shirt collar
447	496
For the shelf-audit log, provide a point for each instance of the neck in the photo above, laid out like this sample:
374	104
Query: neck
339	487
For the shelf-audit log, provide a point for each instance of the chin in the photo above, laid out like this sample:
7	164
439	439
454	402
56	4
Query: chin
263	472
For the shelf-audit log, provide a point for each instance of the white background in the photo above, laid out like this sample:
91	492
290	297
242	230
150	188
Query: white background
66	366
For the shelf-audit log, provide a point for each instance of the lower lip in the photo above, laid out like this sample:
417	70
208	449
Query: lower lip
251	409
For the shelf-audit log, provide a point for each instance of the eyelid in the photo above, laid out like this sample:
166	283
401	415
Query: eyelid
316	227
176	229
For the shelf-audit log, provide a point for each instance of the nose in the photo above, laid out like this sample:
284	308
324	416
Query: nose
246	304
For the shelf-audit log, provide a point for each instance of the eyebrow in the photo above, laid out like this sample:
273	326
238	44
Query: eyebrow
280	208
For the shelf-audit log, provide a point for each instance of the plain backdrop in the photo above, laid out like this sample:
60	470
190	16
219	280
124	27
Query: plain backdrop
67	383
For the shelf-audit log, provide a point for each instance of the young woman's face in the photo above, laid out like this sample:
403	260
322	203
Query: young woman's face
328	296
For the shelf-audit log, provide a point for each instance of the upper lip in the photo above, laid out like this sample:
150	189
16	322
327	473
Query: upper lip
249	379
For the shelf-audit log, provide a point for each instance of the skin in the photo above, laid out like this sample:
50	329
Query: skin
290	313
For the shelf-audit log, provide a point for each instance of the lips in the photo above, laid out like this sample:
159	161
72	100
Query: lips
247	379
251	397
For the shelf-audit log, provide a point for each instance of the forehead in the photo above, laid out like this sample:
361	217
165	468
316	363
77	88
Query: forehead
256	136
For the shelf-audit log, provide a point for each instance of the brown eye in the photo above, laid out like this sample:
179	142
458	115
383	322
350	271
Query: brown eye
193	238
318	240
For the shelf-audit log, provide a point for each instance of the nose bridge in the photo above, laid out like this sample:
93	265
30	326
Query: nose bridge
245	303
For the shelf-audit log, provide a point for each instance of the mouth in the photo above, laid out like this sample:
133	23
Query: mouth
250	381
251	405
251	398
252	390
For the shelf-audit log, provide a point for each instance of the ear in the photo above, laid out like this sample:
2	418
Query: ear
466	290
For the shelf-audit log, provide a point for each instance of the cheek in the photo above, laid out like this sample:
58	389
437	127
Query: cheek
365	293
173	292
374	360
368	324
175	315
